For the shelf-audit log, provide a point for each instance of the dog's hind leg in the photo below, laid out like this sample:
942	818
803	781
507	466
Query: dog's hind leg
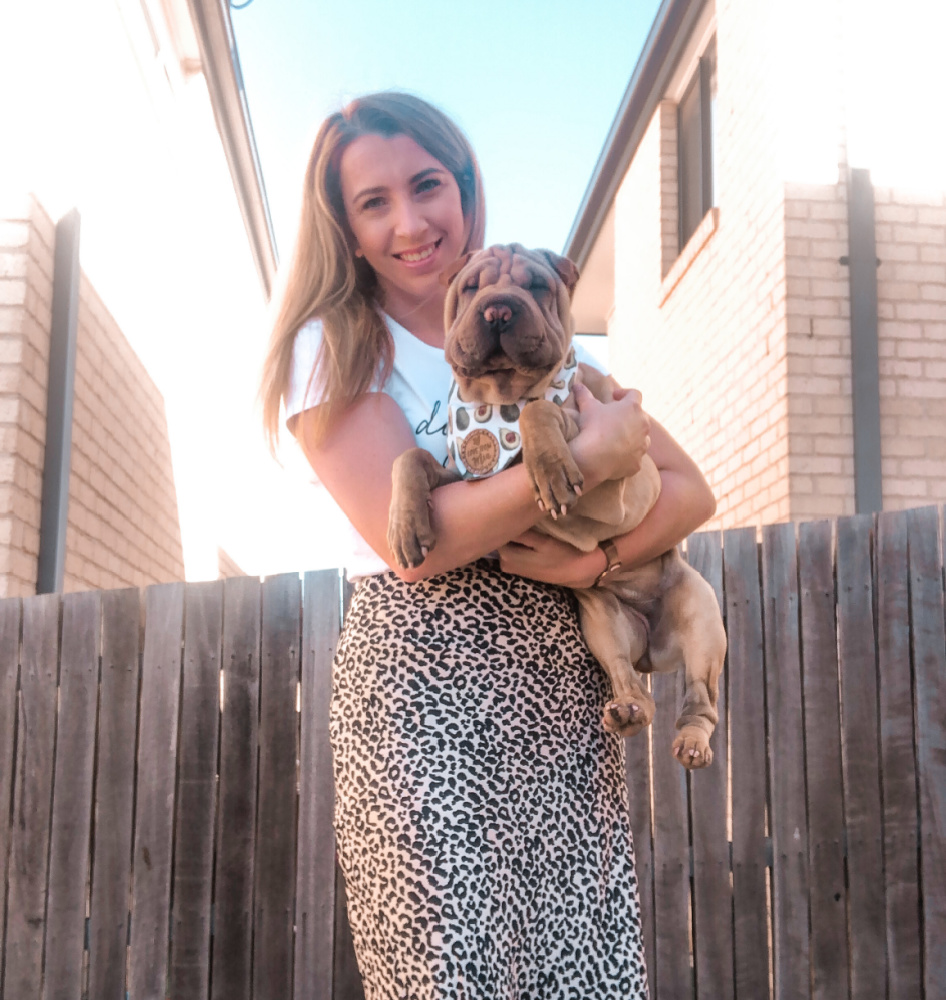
690	630
617	640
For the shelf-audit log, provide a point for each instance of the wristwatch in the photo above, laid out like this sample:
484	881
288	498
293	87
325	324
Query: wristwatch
610	551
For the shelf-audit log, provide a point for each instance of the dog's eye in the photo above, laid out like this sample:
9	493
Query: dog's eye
538	285
471	286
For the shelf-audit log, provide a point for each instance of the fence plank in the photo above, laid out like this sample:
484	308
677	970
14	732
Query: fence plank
712	890
236	823
347	984
828	900
196	791
315	859
747	761
637	772
276	823
114	794
901	876
861	759
154	809
29	843
72	796
786	761
673	974
9	669
929	664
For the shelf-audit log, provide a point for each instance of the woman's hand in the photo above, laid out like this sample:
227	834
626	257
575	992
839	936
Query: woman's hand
548	560
612	438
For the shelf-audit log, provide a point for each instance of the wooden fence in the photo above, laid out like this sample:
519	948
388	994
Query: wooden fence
165	785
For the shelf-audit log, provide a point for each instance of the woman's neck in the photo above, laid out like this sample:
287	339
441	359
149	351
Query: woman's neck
423	319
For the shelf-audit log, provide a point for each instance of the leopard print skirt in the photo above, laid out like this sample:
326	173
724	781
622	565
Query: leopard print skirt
481	810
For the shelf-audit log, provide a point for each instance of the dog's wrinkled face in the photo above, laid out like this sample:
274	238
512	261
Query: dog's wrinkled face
508	322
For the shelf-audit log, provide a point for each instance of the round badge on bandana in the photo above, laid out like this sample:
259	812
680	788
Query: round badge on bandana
479	451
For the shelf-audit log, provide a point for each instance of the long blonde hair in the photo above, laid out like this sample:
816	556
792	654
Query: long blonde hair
324	279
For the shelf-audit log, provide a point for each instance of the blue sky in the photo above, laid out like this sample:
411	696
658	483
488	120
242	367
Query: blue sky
535	84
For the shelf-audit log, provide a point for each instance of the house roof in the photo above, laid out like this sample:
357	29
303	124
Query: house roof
668	34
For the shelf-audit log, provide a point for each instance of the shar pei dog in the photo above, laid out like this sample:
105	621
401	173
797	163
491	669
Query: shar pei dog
509	343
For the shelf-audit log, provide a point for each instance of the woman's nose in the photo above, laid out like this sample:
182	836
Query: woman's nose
409	220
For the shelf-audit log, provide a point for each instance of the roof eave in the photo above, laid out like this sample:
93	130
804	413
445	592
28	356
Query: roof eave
668	34
221	67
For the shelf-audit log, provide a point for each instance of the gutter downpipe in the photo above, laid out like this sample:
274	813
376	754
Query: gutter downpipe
50	571
865	353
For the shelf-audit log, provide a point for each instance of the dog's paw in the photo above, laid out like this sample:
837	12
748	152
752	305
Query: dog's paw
556	483
410	540
691	748
627	718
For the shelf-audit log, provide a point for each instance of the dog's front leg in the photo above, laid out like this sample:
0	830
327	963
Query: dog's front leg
546	430
617	639
414	476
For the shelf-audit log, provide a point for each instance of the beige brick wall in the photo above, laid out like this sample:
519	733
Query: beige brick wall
26	253
705	340
123	525
911	292
227	565
741	343
821	441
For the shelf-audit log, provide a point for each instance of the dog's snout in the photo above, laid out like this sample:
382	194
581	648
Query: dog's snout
497	314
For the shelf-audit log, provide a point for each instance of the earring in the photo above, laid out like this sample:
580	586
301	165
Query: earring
359	252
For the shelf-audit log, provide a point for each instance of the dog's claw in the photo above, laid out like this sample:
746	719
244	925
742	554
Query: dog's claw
577	489
692	750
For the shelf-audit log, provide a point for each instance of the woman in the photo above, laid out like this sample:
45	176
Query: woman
482	827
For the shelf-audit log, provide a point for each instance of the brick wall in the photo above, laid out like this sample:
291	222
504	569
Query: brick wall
911	292
702	333
740	342
227	565
123	526
821	439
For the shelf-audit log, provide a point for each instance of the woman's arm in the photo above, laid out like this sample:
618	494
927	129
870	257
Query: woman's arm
685	502
471	518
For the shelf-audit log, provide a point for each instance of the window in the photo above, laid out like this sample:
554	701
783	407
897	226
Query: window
696	115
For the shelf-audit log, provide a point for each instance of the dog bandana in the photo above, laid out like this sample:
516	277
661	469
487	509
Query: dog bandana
483	438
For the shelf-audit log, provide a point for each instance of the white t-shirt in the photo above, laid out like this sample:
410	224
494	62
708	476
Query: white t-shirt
419	383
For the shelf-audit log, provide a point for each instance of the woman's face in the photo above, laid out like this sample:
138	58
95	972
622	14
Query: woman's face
404	210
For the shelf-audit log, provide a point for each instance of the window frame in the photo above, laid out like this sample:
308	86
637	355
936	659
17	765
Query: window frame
704	81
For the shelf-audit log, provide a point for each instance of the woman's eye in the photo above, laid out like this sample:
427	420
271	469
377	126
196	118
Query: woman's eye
428	184
371	203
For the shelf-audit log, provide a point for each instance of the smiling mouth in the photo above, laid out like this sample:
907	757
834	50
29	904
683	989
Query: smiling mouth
416	256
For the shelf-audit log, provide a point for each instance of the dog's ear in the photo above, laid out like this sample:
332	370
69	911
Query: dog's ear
452	270
565	268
